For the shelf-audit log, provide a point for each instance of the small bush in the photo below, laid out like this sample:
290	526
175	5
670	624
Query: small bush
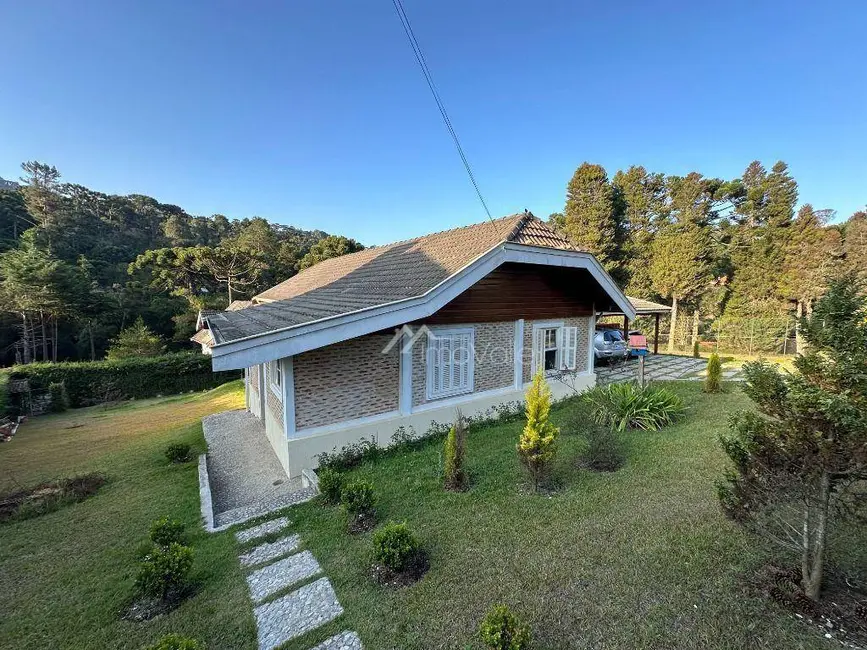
502	630
176	642
604	451
695	350
164	571
59	398
537	445
350	455
713	381
165	532
330	485
395	546
623	406
178	452
453	453
357	497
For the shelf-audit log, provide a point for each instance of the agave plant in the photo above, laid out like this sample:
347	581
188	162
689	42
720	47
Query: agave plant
624	406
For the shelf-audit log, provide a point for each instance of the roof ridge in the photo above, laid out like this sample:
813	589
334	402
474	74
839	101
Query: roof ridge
447	230
519	226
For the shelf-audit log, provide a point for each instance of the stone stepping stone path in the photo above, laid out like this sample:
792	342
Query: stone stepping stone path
285	573
300	611
297	613
270	551
344	641
244	536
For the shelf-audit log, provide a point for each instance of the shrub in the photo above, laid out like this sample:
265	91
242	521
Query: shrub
48	497
357	497
165	532
93	382
695	350
178	452
59	398
454	452
164	571
502	630
604	451
137	340
713	381
394	546
176	642
350	455
537	444
330	485
625	405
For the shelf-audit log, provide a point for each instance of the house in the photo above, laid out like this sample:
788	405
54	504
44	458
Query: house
400	335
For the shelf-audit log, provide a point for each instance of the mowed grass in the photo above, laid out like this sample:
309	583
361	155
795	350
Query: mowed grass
639	558
67	576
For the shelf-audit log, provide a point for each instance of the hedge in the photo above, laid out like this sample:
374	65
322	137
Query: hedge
95	382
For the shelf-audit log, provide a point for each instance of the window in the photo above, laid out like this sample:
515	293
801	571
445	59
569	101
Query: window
449	362
275	377
555	347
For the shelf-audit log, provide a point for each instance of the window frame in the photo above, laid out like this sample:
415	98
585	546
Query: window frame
275	371
535	362
443	332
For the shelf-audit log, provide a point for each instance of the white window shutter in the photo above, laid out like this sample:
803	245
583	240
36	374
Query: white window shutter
450	363
538	350
570	348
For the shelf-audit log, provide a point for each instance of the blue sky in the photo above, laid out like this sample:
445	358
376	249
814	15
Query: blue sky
315	114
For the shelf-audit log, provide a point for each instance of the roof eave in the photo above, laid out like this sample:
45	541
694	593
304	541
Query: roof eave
255	349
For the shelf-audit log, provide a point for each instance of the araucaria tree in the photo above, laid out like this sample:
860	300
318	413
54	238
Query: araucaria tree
537	445
800	462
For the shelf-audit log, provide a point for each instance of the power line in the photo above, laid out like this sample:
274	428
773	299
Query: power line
419	57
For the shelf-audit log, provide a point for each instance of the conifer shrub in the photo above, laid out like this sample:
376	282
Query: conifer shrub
604	451
165	532
537	445
330	485
503	630
454	452
163	573
176	642
395	546
713	381
59	397
695	350
178	452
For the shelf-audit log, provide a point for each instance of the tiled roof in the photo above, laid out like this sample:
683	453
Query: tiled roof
238	305
377	276
643	306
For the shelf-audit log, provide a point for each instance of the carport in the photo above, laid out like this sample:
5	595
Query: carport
643	307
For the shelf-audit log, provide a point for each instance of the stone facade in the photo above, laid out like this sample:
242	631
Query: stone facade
582	350
493	366
275	404
347	380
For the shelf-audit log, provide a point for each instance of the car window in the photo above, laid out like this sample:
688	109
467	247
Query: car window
613	335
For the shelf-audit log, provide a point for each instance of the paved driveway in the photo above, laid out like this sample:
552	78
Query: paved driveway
659	367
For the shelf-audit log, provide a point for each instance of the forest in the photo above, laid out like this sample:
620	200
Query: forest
730	256
77	266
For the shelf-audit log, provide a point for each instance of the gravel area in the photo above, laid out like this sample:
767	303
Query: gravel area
270	551
284	573
344	641
245	513
244	536
296	613
242	466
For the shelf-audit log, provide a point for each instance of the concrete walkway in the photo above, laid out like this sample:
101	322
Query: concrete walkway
246	479
657	367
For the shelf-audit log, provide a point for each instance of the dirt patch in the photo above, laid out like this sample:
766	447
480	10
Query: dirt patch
841	613
146	608
414	571
47	497
363	522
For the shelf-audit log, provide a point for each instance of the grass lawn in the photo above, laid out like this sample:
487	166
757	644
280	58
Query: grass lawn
65	576
641	558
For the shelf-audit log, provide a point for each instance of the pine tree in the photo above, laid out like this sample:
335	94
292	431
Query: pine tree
643	205
537	445
805	451
590	220
136	340
328	247
855	245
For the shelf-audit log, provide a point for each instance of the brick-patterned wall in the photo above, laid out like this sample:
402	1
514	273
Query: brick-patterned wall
581	322
253	374
493	367
347	380
274	402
